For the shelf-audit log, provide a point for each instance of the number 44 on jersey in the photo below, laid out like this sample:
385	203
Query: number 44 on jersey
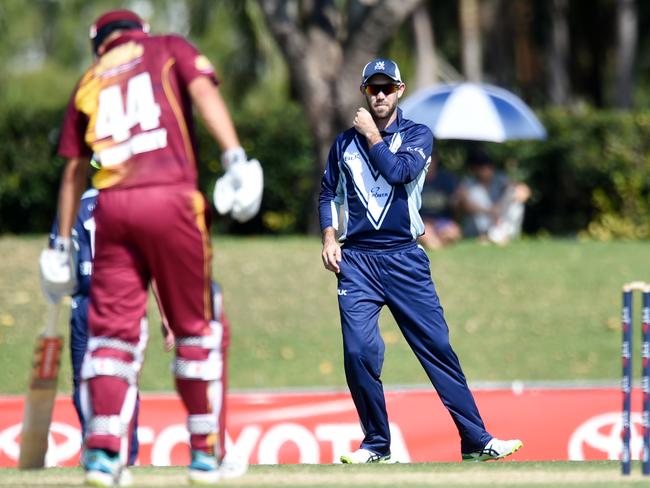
116	119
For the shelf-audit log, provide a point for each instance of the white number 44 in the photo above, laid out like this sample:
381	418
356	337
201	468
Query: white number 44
115	119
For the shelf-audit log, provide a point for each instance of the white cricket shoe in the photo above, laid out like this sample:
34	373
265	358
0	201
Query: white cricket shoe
125	478
361	456
495	449
232	466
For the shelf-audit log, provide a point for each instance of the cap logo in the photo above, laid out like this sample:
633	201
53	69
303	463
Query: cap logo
379	65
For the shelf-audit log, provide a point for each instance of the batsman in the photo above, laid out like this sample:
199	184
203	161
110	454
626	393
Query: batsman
373	179
133	109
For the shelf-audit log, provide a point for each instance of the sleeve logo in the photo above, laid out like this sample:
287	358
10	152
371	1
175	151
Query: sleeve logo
418	150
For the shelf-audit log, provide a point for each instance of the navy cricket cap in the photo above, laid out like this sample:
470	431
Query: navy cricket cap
381	66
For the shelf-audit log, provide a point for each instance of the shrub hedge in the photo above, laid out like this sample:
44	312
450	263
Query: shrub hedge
591	176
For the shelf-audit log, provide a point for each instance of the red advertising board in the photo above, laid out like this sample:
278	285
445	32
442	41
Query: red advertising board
269	428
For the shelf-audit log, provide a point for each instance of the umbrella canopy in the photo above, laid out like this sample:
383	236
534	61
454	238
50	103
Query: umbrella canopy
475	112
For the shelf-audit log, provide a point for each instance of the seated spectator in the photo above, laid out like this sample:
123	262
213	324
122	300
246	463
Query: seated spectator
492	204
439	202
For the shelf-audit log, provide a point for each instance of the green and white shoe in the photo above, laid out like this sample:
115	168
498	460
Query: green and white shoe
495	449
362	456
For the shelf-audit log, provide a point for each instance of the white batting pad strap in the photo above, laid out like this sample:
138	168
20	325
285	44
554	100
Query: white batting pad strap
207	370
107	425
212	341
205	342
202	424
109	367
95	343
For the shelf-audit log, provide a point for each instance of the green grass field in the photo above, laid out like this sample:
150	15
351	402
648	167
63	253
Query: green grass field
534	310
540	475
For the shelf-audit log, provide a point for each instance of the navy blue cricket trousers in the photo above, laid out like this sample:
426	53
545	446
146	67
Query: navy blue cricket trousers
401	279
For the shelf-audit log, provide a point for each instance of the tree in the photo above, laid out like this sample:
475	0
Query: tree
558	53
426	62
325	47
626	40
470	23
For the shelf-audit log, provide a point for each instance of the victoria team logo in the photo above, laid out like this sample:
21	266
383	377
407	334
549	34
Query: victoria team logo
374	192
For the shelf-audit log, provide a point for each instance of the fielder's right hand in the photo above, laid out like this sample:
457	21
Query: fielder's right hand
331	254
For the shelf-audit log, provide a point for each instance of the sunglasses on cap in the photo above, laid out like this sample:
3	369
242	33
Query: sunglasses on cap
386	88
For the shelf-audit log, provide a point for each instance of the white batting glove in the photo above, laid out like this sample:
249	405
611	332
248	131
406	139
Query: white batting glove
248	196
224	193
57	274
239	191
233	156
226	186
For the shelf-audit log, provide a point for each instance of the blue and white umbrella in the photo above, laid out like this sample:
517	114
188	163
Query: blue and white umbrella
474	112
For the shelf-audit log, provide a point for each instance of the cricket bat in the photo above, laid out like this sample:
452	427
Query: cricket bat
39	402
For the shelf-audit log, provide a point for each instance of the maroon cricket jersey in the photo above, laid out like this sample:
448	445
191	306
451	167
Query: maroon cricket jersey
132	109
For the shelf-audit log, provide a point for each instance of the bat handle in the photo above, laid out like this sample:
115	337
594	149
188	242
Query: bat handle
52	318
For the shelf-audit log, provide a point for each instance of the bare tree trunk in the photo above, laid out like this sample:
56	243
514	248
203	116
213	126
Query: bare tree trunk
497	26
426	62
431	65
470	23
558	53
626	42
524	55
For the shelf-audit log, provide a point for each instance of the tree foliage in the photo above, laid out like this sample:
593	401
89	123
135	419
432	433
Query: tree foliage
290	71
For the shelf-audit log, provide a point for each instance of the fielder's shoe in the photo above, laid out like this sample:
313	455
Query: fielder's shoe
361	456
232	466
102	469
203	469
495	449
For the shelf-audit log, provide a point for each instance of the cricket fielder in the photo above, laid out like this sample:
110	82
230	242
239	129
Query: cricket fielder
375	173
133	109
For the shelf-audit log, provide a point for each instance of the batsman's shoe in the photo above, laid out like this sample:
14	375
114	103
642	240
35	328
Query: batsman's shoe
125	478
102	469
362	456
495	449
203	469
232	466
